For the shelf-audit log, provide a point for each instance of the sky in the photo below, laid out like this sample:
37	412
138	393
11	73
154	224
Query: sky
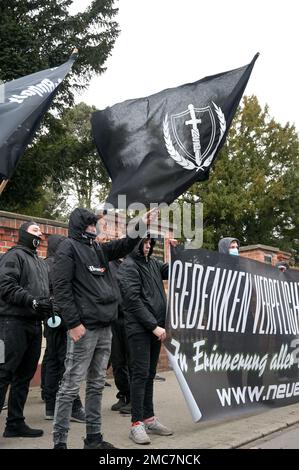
166	43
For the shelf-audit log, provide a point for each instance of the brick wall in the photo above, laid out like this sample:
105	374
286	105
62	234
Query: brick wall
9	226
9	230
264	254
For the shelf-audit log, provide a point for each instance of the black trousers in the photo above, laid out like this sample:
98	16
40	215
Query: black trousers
22	342
144	355
53	366
120	359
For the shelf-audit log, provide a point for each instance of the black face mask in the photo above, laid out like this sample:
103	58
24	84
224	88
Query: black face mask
89	235
29	240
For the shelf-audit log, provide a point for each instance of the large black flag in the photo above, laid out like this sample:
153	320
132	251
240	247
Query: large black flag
155	147
23	103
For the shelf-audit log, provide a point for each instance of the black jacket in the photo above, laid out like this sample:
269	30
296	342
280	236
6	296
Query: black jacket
23	277
84	289
114	267
53	244
141	284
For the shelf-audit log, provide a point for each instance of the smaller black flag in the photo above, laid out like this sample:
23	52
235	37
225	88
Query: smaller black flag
155	147
23	103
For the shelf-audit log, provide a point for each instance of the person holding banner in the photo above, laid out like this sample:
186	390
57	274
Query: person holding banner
230	246
144	302
24	302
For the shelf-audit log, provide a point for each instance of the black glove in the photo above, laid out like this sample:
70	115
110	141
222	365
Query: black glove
43	306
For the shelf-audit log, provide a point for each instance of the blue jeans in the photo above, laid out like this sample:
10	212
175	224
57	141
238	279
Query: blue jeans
85	359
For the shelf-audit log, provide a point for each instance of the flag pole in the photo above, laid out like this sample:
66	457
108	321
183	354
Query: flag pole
2	186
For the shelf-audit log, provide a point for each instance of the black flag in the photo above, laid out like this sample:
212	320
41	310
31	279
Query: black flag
155	147
23	103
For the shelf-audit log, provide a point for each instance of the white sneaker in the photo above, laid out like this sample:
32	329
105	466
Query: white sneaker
138	434
155	427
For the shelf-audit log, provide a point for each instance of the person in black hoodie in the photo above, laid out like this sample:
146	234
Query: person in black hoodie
24	301
87	298
120	355
55	353
144	302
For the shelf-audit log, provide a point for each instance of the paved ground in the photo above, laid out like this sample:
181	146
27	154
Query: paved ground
172	410
286	438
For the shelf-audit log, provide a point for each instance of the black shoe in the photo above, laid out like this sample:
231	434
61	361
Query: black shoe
98	445
78	416
60	445
22	431
117	406
126	409
159	378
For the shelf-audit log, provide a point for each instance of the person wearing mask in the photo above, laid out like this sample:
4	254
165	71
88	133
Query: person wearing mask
87	298
56	337
24	302
229	246
144	303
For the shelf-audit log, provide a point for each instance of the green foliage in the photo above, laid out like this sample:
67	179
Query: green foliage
81	174
73	172
36	35
252	193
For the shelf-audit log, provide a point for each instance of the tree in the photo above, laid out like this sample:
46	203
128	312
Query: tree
36	35
79	177
85	178
252	193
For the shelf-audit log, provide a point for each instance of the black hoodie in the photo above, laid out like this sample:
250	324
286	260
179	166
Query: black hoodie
84	289
141	284
23	277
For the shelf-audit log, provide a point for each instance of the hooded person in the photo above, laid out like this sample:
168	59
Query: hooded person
140	279
87	298
24	302
54	357
238	342
229	246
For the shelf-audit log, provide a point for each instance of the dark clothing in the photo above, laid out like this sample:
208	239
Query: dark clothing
84	289
53	361
120	348
22	339
23	277
144	302
120	359
144	299
144	352
85	293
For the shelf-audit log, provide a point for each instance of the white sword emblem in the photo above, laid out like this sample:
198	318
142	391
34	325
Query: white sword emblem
195	133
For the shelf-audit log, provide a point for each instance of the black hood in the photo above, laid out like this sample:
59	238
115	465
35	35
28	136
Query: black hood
79	219
138	250
224	243
27	239
53	243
